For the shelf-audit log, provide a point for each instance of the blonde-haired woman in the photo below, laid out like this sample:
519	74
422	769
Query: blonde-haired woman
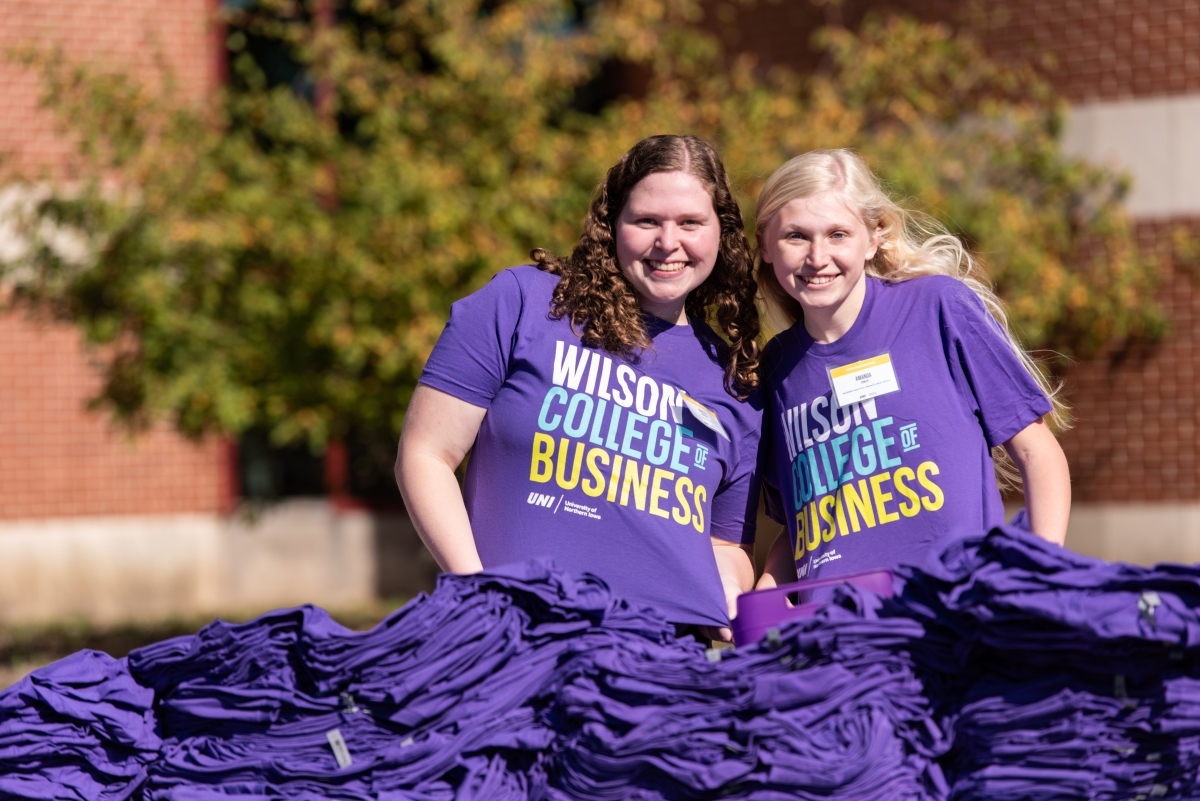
893	379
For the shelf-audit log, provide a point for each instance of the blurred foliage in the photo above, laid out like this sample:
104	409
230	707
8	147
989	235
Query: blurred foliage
286	255
1185	249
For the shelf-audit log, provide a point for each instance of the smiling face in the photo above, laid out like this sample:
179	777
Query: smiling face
819	248
668	240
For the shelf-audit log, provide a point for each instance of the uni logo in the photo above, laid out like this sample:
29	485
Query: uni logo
537	499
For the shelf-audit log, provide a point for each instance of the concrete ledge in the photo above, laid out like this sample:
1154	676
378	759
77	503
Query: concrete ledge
1139	533
107	569
1154	139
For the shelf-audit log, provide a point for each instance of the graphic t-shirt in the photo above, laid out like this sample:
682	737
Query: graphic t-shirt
874	483
601	463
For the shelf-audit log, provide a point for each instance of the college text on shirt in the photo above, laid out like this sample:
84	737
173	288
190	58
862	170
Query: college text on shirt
846	472
618	437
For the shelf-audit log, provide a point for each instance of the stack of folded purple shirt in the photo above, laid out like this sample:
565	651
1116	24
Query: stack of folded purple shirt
1078	677
424	704
828	708
1006	668
80	728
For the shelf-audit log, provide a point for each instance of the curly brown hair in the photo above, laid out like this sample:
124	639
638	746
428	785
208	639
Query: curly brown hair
603	306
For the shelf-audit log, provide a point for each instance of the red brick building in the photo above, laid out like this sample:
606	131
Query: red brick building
97	523
1131	71
56	460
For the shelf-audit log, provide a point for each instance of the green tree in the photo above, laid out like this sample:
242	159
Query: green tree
286	255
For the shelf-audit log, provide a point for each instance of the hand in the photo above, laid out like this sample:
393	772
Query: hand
781	566
736	569
717	634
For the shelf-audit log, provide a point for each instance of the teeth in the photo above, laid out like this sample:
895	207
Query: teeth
667	267
817	279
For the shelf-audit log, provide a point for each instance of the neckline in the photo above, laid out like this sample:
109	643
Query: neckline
847	340
656	325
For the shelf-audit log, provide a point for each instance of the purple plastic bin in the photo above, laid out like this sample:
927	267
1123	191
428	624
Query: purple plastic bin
760	610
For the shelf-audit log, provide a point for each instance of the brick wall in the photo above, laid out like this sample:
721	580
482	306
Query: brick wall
1104	49
57	459
1137	410
1135	436
1137	417
130	34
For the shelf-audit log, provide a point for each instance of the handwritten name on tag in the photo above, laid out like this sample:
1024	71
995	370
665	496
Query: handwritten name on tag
863	380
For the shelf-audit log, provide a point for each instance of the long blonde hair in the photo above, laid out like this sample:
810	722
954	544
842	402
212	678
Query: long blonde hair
911	244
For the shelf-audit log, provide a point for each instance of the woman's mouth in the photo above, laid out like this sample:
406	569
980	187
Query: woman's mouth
817	280
665	266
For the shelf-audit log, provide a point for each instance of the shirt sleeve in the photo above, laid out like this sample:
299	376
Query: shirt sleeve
1002	393
735	504
471	357
773	502
772	497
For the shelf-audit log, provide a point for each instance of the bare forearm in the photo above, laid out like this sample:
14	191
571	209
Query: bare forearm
736	569
439	429
780	567
1048	498
435	505
1047	480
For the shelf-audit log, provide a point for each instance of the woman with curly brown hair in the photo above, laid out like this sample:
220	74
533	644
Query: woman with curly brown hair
610	428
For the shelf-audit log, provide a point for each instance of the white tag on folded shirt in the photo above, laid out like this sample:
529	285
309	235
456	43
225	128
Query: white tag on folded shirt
863	380
340	752
702	413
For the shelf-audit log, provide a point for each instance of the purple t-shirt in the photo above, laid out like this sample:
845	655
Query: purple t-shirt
873	484
596	461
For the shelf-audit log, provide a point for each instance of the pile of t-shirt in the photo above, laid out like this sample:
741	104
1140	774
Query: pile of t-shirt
830	708
1075	678
79	728
1006	668
428	704
522	683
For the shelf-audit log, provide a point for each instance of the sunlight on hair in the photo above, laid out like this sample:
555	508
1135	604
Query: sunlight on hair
913	244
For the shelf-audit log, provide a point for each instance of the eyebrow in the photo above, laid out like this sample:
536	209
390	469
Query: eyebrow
835	226
687	215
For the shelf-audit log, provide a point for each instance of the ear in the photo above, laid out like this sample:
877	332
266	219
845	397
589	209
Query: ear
764	252
876	238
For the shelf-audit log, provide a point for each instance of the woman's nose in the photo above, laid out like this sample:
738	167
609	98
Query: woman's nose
668	238
818	254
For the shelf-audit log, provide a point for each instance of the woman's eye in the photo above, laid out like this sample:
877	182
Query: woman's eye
839	235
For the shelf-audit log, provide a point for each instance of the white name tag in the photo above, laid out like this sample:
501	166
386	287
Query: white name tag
863	380
706	417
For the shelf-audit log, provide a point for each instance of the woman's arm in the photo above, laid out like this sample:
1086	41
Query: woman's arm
1046	477
439	429
780	567
736	567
